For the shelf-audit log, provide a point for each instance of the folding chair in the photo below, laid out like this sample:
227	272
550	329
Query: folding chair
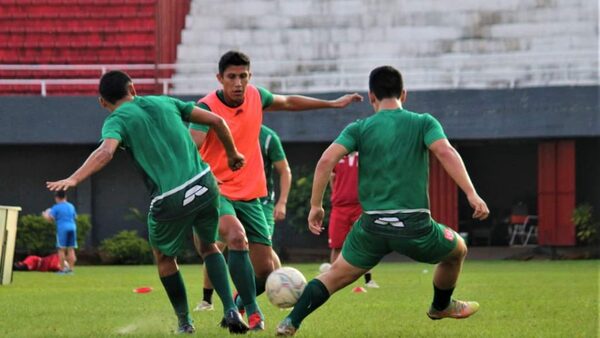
525	230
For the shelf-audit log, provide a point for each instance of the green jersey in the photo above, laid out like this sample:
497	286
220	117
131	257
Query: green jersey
151	128
394	157
272	151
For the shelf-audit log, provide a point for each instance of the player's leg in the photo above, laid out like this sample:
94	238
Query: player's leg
240	266
70	253
251	215
207	289
61	247
172	281
71	258
268	207
445	247
361	252
444	281
216	270
62	254
166	240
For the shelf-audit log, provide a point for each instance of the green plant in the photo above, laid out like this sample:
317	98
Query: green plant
126	247
298	205
586	228
37	236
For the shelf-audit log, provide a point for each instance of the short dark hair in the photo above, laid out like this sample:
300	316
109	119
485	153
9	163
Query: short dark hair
385	82
233	58
113	85
61	194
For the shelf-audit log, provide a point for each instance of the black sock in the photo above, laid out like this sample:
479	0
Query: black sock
207	295
367	277
441	298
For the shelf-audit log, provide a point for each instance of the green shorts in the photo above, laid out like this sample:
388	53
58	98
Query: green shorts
268	207
194	205
251	215
365	249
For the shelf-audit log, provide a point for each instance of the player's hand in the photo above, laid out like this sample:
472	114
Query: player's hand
315	220
61	185
481	210
236	161
279	211
346	100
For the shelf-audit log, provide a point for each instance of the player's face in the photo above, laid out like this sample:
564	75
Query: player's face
234	80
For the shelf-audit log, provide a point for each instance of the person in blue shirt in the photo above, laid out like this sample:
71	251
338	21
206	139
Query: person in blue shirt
63	214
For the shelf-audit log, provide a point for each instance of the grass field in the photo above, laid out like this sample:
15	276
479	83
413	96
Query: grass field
518	299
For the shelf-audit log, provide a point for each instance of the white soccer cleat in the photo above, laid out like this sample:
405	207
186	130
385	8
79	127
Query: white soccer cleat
372	284
204	306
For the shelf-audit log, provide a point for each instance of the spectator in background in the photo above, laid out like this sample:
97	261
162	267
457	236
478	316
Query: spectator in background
63	214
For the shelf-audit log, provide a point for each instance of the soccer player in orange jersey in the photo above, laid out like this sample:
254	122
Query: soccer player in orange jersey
242	224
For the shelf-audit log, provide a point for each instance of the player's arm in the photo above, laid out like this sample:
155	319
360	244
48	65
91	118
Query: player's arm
299	102
214	121
96	161
47	214
455	167
285	182
329	159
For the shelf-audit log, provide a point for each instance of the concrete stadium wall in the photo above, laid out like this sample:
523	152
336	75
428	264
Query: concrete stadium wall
496	131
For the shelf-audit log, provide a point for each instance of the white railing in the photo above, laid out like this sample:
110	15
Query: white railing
446	71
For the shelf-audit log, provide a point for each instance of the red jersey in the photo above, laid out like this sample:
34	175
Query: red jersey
345	183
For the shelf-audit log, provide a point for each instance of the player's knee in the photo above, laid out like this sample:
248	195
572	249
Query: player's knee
206	249
237	241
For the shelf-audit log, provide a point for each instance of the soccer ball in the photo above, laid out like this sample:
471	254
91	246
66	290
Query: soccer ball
324	267
284	287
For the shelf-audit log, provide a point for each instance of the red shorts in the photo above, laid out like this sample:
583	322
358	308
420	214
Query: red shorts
340	223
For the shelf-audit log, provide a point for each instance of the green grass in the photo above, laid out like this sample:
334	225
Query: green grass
518	299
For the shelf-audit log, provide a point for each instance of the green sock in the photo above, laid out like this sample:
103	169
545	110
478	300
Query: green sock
314	295
242	274
260	288
217	272
175	288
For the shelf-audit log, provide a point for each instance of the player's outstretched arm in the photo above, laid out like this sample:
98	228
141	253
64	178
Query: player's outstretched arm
214	121
331	156
96	161
453	163
299	102
285	183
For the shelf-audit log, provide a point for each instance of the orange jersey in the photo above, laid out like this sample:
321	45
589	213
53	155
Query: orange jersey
244	122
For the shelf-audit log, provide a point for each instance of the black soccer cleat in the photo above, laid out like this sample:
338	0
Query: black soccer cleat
234	322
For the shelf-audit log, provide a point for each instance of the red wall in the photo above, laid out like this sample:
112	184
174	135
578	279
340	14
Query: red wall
556	192
443	195
170	21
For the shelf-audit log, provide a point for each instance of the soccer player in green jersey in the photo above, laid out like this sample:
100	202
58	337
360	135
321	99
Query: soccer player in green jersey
274	160
184	192
394	147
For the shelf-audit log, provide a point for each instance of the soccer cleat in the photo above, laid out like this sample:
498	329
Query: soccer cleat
256	322
204	306
186	328
285	328
457	309
234	322
240	308
372	284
